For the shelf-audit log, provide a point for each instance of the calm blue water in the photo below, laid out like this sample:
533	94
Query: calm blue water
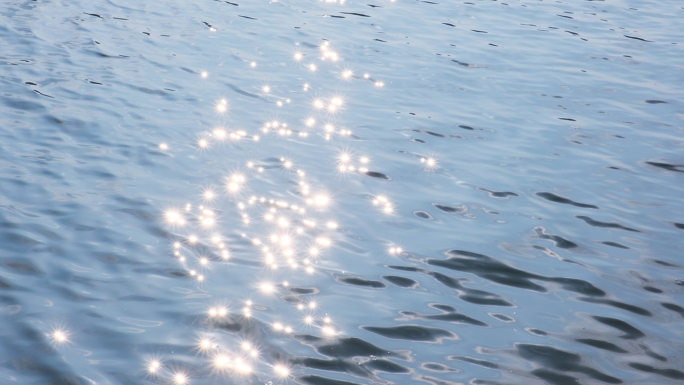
478	192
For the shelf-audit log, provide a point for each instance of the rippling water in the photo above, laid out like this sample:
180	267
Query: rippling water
336	192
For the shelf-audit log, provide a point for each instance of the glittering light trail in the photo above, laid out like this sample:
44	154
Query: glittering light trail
288	234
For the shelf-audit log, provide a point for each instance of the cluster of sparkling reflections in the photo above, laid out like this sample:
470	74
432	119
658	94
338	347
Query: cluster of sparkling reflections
285	234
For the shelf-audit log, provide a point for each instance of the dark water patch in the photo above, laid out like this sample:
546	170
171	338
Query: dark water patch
451	209
637	38
401	281
674	307
302	290
667	166
352	347
357	281
604	345
412	333
422	214
20	266
653	289
4	284
559	241
607	225
668	373
42	94
615	244
502	317
450	316
243	92
435	367
652	354
498	194
475	296
434	134
558	199
176	273
493	270
354	13
664	263
630	331
620	305
377	175
560	361
555	378
23	105
474	361
18	240
318	380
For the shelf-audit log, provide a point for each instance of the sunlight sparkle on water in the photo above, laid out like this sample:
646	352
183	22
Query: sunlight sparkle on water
180	379
281	234
60	336
281	370
430	163
395	250
153	366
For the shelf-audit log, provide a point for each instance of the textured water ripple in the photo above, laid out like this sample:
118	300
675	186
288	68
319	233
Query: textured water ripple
337	192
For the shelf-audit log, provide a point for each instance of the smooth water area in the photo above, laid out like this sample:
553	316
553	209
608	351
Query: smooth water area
337	192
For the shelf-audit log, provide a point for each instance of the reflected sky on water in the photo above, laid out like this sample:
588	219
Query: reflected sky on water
336	192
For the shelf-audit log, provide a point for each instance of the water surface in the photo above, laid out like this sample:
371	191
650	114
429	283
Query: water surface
478	192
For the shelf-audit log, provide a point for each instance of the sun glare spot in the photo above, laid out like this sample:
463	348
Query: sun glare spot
321	200
281	370
180	379
395	250
267	288
153	366
60	336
